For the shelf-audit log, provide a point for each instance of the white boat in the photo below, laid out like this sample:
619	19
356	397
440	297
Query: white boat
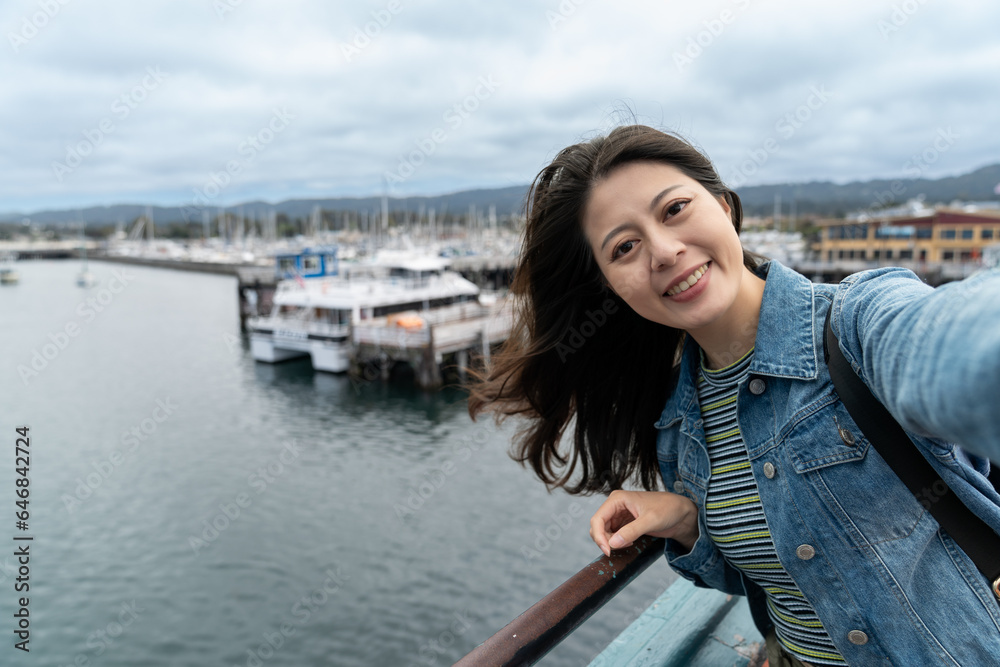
85	278
8	274
317	316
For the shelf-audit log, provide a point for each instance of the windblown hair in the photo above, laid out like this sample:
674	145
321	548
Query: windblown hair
577	350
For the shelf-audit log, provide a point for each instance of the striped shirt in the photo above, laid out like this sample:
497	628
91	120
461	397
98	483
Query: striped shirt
736	522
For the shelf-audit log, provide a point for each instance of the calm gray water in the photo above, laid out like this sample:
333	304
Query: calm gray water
192	507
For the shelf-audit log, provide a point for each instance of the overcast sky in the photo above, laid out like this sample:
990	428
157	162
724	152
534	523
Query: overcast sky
221	101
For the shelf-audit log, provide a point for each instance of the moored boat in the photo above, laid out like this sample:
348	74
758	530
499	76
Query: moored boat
86	277
317	316
8	274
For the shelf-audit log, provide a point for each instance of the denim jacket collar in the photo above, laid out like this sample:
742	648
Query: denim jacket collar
787	344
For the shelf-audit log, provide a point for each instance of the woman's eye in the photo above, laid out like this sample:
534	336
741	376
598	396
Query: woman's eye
675	207
622	249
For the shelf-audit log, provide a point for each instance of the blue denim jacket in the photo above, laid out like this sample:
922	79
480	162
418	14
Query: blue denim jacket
889	587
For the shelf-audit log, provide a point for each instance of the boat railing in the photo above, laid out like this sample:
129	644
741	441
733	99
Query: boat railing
299	325
382	335
499	309
527	638
374	280
453	313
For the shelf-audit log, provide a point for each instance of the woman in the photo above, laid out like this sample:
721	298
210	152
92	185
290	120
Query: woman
681	359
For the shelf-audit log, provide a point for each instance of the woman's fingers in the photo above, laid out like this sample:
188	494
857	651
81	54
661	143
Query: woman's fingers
645	523
627	515
608	518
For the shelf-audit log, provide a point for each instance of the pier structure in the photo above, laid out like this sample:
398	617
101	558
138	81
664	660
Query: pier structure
46	249
255	287
444	337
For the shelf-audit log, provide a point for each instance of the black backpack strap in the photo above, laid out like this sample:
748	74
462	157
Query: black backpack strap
971	533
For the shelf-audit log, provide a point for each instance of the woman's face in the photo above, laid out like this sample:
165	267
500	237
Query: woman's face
665	245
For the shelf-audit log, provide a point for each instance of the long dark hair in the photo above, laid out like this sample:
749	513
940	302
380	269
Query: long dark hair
577	350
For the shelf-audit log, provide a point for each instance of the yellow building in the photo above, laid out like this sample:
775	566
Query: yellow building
943	236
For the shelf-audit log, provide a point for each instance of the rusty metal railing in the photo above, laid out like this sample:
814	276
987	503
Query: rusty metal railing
527	638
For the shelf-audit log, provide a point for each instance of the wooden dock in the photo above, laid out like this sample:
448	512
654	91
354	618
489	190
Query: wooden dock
255	287
448	336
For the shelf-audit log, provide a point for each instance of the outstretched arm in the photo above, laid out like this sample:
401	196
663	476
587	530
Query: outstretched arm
931	356
628	515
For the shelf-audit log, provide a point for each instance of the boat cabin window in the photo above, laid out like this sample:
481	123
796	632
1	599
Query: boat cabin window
333	316
420	277
422	305
286	264
310	263
292	311
398	308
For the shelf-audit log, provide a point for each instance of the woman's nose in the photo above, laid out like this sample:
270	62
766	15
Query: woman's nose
664	250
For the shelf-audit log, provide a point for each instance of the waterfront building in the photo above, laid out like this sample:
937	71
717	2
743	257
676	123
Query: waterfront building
944	235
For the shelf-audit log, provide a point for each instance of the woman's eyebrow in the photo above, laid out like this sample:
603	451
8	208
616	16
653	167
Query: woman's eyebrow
652	207
617	229
663	193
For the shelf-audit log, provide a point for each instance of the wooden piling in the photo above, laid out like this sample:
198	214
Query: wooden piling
428	372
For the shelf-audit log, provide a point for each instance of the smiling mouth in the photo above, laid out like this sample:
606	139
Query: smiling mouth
688	282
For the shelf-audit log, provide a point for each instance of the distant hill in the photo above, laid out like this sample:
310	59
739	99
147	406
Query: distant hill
826	198
822	198
507	200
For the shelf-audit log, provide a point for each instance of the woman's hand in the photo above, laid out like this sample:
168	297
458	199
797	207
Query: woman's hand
627	515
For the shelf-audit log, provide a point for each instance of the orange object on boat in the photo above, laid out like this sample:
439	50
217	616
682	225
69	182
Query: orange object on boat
410	322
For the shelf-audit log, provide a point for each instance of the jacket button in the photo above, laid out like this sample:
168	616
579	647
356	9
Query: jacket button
757	386
805	551
857	637
769	470
678	486
847	437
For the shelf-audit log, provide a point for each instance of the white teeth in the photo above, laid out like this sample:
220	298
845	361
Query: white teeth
689	282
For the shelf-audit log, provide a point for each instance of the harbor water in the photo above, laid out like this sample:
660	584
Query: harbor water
190	506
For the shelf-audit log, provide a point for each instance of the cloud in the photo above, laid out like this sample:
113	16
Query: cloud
368	82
